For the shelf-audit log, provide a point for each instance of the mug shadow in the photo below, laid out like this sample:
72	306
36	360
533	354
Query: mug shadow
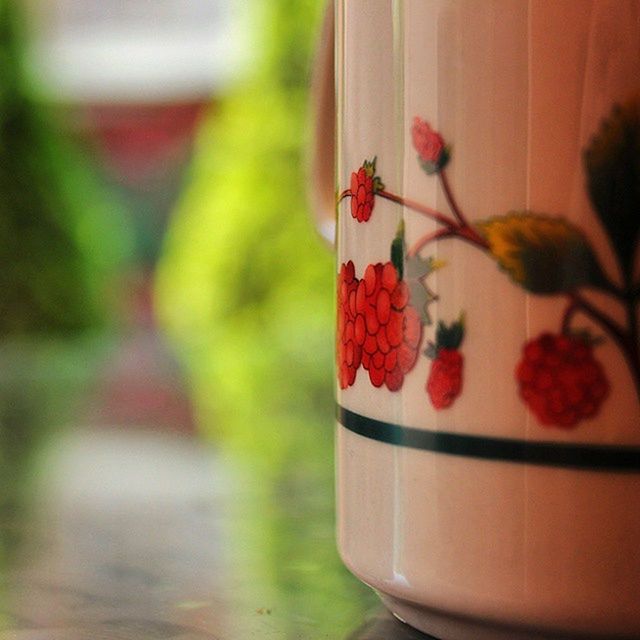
385	626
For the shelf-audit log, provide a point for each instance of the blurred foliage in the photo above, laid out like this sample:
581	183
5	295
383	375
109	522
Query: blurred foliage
40	382
246	291
62	240
60	235
245	286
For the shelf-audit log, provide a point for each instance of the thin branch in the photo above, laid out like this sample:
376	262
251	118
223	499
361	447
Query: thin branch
615	330
457	212
464	233
627	341
468	233
419	208
570	311
345	194
430	237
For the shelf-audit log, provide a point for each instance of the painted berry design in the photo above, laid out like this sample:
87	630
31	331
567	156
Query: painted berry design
348	352
444	383
377	327
387	327
364	185
560	380
433	154
445	380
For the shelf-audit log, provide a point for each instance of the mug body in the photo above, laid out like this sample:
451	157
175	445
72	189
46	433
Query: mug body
488	287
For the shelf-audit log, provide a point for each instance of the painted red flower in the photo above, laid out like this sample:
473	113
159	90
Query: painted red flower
386	326
433	154
560	380
348	353
364	185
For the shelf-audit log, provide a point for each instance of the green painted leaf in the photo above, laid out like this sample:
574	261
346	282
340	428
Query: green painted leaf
542	254
397	250
612	163
450	336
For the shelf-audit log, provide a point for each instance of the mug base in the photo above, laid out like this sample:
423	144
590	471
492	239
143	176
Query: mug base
443	626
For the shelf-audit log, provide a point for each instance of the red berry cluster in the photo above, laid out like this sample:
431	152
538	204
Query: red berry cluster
445	378
560	380
376	326
433	154
362	194
348	353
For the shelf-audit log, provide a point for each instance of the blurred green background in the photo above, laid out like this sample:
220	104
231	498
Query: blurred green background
245	289
63	240
245	285
229	283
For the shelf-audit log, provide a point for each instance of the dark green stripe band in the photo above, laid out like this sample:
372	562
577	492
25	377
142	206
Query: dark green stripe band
583	456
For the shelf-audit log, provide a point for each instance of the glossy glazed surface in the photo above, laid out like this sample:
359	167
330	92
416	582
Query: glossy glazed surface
468	135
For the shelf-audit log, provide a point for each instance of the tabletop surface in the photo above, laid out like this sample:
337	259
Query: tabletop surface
129	534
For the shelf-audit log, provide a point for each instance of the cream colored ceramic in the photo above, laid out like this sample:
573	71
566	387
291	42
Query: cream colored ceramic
495	495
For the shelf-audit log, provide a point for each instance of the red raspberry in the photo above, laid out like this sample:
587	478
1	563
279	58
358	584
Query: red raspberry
364	185
433	154
386	327
444	383
362	198
560	380
348	351
445	379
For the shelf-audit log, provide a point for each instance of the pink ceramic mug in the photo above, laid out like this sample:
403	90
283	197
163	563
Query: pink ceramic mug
488	303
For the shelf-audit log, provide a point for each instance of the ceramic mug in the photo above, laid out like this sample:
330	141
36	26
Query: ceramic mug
488	303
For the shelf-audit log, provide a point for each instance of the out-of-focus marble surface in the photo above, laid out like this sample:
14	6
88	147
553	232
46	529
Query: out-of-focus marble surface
134	534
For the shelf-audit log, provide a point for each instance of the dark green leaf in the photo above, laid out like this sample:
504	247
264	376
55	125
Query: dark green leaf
397	256
612	163
450	336
542	254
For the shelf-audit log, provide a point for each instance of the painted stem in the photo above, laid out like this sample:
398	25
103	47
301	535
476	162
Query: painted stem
464	233
627	340
570	311
419	208
614	329
469	234
634	342
422	242
457	212
345	194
